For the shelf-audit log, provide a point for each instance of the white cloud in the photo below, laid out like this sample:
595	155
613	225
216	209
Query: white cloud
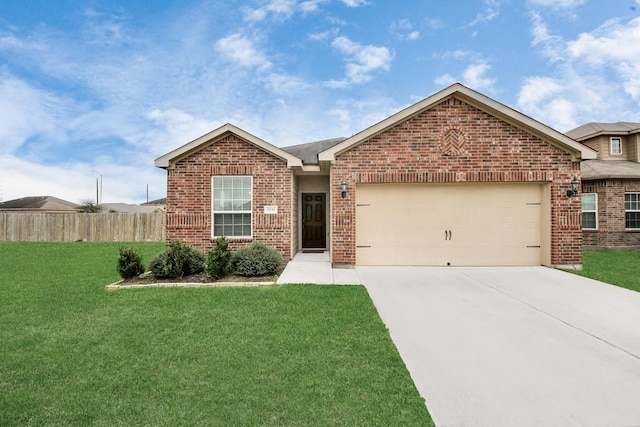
445	80
403	30
242	51
614	45
558	4
362	61
355	3
491	12
281	9
551	46
26	112
595	77
473	76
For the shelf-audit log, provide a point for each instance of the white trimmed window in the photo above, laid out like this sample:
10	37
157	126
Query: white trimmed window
589	211
616	145
632	211
232	204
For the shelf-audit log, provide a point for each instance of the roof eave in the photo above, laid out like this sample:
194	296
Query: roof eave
578	151
197	144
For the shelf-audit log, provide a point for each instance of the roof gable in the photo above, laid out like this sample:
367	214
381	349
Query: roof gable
212	137
578	151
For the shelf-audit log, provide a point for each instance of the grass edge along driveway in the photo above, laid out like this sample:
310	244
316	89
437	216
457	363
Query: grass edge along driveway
298	355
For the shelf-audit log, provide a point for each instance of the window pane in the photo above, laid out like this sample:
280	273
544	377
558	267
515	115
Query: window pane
632	220
589	220
589	202
632	201
616	146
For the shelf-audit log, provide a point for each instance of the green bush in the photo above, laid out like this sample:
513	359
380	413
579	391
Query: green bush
157	266
129	263
180	259
219	259
257	259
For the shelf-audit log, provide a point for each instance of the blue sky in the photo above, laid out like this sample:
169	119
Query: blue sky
102	88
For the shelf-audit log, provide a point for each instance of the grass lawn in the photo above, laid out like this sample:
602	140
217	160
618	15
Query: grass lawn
72	353
616	266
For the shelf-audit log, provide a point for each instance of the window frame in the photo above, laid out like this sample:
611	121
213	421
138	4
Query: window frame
232	211
619	140
637	210
594	211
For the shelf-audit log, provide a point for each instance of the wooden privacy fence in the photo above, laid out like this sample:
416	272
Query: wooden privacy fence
94	227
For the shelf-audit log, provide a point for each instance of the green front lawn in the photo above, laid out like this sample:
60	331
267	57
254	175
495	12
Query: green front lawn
616	266
72	353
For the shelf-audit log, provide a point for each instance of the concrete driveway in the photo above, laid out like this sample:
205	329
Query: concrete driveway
528	346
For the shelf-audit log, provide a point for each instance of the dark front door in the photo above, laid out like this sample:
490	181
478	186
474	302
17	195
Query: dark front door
313	220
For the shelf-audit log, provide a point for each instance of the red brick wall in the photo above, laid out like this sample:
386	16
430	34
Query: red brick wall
189	194
611	214
455	142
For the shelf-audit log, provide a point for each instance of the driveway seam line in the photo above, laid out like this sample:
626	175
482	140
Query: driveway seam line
552	316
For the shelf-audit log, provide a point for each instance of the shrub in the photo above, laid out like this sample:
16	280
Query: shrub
180	259
129	263
257	259
219	259
157	266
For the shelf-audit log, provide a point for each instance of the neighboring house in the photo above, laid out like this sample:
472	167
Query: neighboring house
158	203
455	179
129	208
38	204
611	184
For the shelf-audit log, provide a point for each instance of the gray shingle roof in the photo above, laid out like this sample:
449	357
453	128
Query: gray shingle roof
601	169
594	129
38	202
309	152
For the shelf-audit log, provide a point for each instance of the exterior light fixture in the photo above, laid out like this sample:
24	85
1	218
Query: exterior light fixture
343	185
574	187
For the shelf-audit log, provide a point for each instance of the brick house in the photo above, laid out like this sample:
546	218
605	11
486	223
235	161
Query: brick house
455	179
611	184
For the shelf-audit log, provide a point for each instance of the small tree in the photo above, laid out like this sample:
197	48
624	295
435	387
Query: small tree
129	263
219	259
89	206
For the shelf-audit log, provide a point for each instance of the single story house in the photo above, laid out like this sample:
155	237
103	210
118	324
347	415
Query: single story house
38	204
611	184
455	179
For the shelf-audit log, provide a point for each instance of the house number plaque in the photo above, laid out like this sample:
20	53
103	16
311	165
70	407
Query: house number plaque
271	210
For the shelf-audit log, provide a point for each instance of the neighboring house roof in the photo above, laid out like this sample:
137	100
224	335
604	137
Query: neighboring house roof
162	201
38	203
471	97
212	137
309	152
127	208
602	169
593	129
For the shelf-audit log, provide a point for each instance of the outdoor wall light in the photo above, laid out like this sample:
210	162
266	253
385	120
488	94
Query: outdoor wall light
574	187
343	184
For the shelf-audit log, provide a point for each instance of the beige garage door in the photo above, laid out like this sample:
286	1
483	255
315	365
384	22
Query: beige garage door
451	224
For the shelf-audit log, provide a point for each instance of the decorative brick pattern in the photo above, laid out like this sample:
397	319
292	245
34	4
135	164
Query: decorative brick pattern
493	151
189	194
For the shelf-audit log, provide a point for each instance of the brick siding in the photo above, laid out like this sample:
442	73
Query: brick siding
456	142
611	214
189	214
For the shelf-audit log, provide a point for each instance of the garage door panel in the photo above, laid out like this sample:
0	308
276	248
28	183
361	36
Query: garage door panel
453	224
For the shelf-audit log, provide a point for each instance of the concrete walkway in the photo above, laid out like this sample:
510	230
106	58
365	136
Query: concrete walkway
316	268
